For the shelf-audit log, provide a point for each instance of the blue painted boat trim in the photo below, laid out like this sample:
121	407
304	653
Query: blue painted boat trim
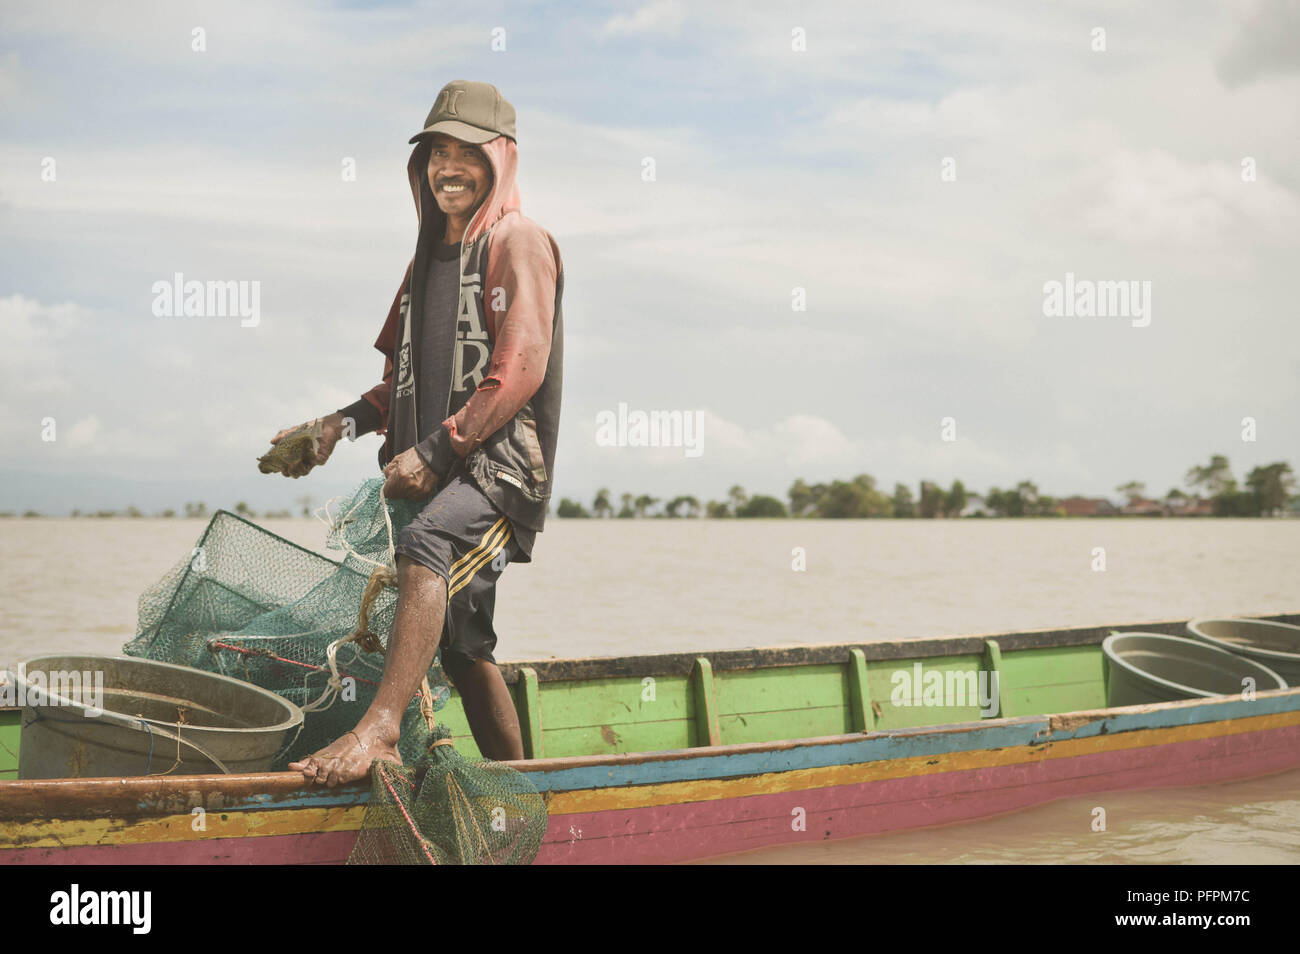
898	743
691	765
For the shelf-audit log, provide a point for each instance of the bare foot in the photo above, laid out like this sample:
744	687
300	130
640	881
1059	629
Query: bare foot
347	758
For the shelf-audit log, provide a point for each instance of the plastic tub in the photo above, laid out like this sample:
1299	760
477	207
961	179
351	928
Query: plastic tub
1275	645
1152	667
112	716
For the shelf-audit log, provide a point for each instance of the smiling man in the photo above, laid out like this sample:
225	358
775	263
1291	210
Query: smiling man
469	406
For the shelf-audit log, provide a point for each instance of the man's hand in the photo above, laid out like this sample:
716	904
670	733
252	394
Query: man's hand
409	477
331	432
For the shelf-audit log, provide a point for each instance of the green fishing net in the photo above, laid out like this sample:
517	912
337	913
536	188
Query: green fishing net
250	604
447	809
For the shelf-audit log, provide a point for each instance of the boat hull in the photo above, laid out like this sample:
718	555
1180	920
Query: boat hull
693	804
692	820
869	767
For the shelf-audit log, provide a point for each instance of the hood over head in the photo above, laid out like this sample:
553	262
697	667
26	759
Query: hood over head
503	156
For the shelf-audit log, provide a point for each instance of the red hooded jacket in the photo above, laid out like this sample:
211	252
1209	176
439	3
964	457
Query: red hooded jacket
511	274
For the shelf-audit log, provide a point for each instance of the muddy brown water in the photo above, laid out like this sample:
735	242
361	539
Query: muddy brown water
620	587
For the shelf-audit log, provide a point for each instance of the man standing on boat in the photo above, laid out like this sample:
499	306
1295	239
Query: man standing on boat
470	407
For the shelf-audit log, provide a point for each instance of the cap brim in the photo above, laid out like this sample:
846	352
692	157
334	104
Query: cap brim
457	130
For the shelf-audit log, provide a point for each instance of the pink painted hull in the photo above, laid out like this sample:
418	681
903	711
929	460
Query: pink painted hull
682	832
673	833
317	848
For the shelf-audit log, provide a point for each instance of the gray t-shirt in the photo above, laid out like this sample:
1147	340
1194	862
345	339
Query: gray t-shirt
437	326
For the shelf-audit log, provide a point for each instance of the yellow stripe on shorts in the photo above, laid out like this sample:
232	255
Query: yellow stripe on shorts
493	542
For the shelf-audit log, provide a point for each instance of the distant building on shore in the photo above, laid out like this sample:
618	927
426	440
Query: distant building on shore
1190	507
1088	507
975	507
1142	507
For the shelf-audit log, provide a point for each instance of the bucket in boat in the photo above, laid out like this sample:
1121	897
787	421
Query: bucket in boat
88	716
1275	645
1151	667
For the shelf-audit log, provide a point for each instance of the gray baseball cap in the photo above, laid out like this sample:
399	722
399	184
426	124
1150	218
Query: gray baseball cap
469	111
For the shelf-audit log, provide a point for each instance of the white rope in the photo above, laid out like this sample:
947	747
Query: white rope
329	523
333	524
334	685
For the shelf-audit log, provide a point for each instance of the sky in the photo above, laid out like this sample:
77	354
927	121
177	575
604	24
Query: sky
913	174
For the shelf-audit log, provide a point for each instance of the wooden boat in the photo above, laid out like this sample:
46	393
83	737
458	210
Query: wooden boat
675	757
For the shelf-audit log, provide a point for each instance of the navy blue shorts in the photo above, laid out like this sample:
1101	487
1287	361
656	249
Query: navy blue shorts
468	542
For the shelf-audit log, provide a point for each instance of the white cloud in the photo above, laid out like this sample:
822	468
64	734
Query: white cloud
964	112
205	185
661	16
83	434
37	340
1153	196
802	439
299	35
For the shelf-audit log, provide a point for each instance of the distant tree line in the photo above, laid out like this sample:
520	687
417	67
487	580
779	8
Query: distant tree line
192	510
737	504
1267	491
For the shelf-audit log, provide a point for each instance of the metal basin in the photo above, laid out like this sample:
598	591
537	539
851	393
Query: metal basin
1151	667
1275	645
110	716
